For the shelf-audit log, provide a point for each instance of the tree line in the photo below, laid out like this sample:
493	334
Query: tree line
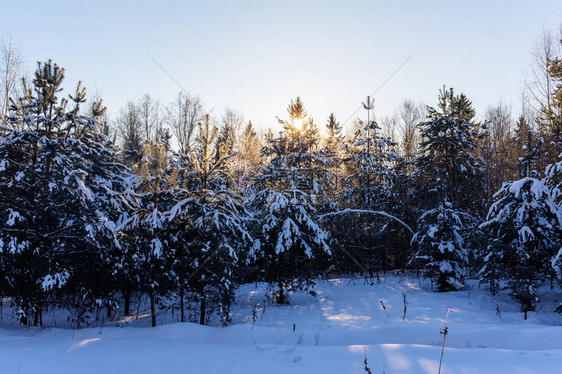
172	203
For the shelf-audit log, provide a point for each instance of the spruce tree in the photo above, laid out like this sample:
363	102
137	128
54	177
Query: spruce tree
441	249
290	242
447	160
334	138
524	227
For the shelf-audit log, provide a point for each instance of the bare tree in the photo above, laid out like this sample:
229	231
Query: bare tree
230	128
130	129
11	69
498	149
540	89
150	119
182	118
540	86
409	115
389	127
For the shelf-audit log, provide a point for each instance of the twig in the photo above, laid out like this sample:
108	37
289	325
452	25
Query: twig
443	331
384	307
366	367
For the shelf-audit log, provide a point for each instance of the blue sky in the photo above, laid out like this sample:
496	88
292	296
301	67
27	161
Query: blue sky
255	56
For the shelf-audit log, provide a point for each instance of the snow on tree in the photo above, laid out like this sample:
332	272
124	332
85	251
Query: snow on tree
61	186
290	242
370	162
447	159
210	229
146	228
292	158
440	246
553	182
524	227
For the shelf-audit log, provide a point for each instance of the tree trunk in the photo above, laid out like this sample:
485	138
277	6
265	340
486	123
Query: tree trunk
202	311
138	305
127	300
36	316
281	297
152	308
182	315
23	318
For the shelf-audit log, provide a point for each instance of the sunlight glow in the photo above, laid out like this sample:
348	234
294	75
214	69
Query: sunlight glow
298	123
83	343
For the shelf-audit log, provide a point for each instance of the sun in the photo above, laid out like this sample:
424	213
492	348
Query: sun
298	123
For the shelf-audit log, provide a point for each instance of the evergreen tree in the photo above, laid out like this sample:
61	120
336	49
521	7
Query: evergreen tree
247	160
552	111
441	248
524	225
293	162
249	147
61	186
147	227
210	229
290	241
370	161
447	165
334	139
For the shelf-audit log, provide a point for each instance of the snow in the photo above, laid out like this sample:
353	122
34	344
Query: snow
332	333
56	280
432	231
13	217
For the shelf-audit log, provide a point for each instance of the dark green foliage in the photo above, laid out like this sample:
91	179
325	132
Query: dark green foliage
525	230
441	248
61	194
447	165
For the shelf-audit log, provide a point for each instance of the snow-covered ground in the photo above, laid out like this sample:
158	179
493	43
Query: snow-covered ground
330	333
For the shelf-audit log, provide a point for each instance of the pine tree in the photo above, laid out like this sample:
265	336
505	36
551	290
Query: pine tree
290	241
334	139
249	147
210	229
247	160
441	248
447	163
370	162
147	227
292	159
62	186
524	225
552	114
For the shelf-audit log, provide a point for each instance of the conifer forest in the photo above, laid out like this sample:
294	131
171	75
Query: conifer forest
169	207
